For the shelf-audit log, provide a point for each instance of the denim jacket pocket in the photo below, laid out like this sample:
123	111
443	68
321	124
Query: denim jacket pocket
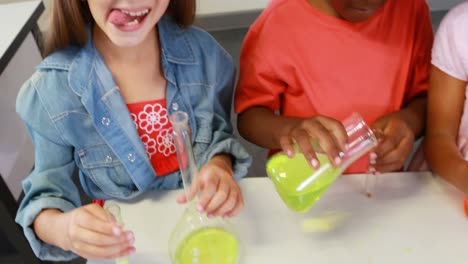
203	138
100	164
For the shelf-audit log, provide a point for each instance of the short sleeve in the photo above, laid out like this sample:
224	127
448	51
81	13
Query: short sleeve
447	54
258	83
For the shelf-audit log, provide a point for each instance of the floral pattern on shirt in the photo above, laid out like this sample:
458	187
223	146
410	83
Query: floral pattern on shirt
157	137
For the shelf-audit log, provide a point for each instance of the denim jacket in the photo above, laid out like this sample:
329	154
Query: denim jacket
76	116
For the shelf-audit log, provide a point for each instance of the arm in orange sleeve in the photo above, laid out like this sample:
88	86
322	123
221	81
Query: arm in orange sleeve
259	82
259	90
414	110
259	95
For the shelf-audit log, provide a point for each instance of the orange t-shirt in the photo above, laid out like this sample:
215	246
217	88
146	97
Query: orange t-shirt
303	63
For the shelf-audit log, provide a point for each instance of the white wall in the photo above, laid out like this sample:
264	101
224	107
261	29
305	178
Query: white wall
216	7
16	149
221	6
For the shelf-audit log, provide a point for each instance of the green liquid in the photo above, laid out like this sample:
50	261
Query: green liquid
122	261
208	246
290	177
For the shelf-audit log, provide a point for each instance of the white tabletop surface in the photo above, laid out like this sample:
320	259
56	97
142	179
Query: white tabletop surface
13	16
412	218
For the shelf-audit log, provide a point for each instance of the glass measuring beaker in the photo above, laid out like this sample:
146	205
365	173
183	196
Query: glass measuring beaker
197	239
299	185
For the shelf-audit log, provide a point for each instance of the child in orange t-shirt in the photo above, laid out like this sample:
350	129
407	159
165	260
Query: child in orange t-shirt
306	64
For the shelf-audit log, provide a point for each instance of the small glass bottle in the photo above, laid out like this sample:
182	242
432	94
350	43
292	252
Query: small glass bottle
197	239
299	185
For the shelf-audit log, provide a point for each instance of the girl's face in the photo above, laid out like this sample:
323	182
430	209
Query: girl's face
127	22
357	10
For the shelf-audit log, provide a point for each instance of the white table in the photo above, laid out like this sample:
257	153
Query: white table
413	218
19	54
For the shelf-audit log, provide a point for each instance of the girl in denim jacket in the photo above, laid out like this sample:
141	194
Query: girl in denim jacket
100	101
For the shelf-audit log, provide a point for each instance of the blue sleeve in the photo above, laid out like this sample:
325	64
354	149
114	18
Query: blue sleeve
224	140
50	184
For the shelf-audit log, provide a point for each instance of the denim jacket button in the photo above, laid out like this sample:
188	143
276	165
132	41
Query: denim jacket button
131	157
175	106
108	159
105	121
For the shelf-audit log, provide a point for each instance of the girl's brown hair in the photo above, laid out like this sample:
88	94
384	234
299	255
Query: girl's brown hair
68	20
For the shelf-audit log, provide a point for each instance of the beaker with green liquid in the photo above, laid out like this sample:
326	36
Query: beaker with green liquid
197	239
299	185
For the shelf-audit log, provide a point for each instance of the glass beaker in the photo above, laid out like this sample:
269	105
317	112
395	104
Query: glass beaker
197	239
299	185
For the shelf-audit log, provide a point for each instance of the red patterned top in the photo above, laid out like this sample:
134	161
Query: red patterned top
155	130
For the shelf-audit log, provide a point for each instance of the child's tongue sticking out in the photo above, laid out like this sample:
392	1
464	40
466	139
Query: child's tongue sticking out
117	17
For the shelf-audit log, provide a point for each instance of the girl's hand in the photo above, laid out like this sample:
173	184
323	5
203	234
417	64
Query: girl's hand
220	194
92	233
418	162
396	144
327	132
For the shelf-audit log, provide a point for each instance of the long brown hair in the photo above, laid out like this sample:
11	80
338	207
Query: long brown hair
68	20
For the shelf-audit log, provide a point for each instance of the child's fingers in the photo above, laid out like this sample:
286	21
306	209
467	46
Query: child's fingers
105	215
327	143
399	155
337	130
392	137
209	190
397	150
97	211
95	252
87	220
394	160
84	244
181	199
194	188
229	204
238	207
98	239
222	194
287	146
385	146
303	141
128	251
388	167
378	133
